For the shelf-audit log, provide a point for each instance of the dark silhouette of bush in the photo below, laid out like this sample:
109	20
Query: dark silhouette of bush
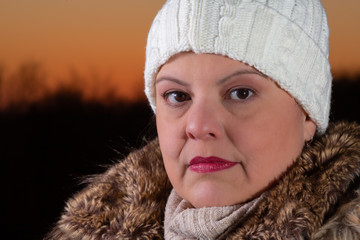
25	86
51	146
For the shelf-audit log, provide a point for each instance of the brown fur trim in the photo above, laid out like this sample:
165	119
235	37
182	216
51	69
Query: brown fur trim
126	202
344	225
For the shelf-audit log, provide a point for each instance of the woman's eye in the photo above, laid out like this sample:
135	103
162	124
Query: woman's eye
241	93
176	97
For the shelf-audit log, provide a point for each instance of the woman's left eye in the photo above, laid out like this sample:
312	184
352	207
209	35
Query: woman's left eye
241	93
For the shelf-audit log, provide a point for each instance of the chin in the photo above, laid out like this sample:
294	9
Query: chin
210	196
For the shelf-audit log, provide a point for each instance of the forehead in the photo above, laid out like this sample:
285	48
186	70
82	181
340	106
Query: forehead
192	63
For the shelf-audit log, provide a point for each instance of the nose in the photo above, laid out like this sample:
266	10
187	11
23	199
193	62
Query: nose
204	122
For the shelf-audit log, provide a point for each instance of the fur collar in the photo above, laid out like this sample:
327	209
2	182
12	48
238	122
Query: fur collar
317	198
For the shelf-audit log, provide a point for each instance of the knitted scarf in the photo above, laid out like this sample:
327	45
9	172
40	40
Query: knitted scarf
183	221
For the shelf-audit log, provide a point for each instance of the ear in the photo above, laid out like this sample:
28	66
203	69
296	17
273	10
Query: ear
309	129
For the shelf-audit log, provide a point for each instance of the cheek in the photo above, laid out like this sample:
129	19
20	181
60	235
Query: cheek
169	133
164	131
171	145
284	120
273	138
291	127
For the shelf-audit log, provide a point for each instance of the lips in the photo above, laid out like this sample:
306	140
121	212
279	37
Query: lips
210	164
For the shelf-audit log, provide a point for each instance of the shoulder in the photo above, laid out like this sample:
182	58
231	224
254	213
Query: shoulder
126	201
343	141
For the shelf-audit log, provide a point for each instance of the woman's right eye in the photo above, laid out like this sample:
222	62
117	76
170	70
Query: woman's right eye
176	97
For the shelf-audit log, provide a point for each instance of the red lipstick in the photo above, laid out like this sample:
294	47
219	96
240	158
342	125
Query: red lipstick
209	164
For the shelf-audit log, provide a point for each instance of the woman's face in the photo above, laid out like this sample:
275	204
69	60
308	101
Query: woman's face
226	131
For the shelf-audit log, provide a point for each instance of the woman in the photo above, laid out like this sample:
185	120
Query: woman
241	92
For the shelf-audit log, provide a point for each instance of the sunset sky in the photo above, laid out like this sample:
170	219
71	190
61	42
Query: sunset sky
107	38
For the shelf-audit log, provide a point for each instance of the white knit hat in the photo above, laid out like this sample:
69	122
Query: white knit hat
288	40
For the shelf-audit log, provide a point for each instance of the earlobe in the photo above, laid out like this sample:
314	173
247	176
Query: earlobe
309	129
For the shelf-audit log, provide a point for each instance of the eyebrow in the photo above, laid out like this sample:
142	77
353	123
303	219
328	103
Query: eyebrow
172	80
241	72
219	82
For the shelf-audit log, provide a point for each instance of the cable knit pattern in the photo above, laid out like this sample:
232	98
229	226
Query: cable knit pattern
286	40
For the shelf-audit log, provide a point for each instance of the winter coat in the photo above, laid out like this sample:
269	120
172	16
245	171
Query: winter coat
317	198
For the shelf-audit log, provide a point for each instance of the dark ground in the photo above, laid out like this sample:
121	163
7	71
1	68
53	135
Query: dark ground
48	147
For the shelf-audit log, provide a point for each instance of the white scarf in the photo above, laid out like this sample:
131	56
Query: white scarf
183	221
